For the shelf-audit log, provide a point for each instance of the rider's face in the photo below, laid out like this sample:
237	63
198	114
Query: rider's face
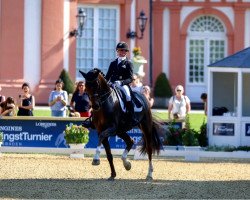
121	52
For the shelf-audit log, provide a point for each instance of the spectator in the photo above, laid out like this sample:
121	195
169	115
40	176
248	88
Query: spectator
26	102
58	99
7	108
136	84
179	104
80	100
204	100
147	93
2	97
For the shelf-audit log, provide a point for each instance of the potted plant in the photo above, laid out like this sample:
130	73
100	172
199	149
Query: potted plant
1	138
173	137
76	135
138	61
190	141
162	91
202	136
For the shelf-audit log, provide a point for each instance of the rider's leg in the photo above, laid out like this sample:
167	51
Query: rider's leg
129	106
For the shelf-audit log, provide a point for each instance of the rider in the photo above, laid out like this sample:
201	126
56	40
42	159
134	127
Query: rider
120	73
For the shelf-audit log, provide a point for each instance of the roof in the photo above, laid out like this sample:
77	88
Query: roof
241	59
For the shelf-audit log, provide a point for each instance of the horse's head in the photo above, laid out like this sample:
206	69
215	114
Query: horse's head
96	86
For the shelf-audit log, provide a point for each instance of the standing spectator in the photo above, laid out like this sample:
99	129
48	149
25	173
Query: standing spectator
147	93
80	100
136	84
2	97
58	99
179	104
7	108
26	102
204	100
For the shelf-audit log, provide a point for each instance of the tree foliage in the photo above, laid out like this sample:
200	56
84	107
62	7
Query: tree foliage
162	86
68	83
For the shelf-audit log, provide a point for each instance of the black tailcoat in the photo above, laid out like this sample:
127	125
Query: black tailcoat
122	72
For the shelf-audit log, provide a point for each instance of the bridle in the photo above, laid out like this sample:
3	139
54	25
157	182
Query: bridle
98	97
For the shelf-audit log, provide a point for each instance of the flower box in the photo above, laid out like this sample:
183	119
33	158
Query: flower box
76	137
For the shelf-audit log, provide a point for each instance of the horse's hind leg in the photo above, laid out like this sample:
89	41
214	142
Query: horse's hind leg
129	142
106	145
146	136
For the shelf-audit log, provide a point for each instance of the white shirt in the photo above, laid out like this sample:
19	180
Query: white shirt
179	106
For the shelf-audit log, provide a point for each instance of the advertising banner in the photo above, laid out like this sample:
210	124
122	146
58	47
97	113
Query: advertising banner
247	131
225	129
50	134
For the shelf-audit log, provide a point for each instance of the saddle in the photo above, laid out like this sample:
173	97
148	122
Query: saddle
122	99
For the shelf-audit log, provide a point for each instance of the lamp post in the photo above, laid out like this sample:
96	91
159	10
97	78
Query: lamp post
81	16
142	21
150	43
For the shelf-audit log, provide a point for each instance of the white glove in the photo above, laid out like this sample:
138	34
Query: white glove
118	82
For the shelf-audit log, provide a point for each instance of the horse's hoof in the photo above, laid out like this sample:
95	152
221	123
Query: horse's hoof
96	162
111	178
127	165
149	178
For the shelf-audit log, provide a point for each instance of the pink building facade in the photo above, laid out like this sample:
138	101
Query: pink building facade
187	36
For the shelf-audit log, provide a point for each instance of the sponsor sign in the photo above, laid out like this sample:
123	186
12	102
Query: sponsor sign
247	131
49	134
226	129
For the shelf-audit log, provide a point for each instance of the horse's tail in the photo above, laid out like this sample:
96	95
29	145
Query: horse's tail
156	141
153	130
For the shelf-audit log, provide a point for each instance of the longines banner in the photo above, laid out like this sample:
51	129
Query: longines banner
49	134
226	129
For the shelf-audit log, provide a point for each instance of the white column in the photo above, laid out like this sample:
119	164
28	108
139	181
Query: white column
166	43
32	42
66	21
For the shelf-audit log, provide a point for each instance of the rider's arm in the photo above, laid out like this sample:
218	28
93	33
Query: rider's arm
129	80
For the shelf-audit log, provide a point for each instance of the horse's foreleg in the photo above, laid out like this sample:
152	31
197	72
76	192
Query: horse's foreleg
106	145
129	143
106	133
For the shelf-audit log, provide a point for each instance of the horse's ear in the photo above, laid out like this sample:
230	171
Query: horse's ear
83	74
96	69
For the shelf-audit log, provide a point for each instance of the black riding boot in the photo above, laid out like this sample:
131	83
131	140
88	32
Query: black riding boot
131	113
87	123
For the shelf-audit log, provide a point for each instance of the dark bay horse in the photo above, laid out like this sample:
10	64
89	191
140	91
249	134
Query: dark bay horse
109	119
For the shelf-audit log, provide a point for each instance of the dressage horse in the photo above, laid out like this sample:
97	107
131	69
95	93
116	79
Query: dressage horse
109	120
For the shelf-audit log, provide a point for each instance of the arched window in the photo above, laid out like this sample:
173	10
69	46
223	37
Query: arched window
206	44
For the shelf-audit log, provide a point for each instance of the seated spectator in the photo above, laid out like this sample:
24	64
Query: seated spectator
2	97
26	102
7	108
136	84
147	93
80	101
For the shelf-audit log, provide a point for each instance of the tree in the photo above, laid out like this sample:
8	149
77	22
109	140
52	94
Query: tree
162	87
68	83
